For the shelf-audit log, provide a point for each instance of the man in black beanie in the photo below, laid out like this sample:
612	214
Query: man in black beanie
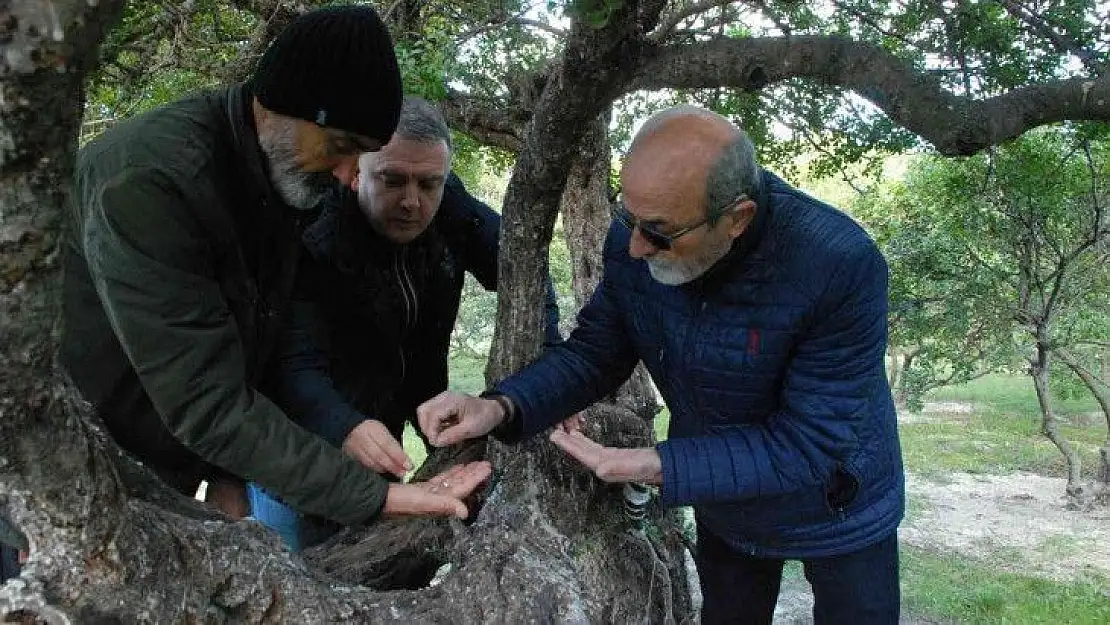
186	232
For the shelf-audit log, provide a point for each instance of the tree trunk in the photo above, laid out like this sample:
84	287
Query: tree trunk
893	366
1101	392
1050	425
110	543
586	221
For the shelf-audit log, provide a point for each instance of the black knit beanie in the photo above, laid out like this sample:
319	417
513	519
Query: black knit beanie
336	67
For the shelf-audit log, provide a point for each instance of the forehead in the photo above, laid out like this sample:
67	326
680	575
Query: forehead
664	185
409	155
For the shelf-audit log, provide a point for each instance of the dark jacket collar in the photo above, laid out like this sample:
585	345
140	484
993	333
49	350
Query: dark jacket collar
744	244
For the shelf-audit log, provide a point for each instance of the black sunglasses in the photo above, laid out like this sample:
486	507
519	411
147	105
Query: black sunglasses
657	239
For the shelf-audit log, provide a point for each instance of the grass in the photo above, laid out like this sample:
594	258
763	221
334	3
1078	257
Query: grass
1002	435
1012	395
954	588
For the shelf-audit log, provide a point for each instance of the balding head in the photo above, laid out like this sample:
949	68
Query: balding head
697	154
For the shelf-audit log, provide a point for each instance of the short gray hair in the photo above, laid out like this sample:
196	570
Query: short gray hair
734	173
422	121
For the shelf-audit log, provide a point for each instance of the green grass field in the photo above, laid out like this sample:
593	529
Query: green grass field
1002	435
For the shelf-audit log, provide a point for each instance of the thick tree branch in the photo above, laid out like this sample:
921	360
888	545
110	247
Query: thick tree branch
954	125
593	71
492	123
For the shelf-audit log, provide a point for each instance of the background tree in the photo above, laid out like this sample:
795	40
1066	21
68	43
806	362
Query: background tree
107	541
1004	246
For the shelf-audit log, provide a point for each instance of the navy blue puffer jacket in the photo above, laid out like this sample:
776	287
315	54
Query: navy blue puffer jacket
783	434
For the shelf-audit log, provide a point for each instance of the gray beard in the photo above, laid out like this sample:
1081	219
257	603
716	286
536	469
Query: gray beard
299	189
675	272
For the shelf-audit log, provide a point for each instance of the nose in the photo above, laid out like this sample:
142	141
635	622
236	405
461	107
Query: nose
411	198
639	247
346	170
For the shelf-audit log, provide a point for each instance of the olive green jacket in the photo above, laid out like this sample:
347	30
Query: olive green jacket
180	262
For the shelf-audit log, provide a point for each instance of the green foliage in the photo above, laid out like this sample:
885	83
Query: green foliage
595	13
157	54
984	251
423	63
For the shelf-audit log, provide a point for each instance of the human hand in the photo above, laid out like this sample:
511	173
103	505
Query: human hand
573	423
451	417
375	448
440	496
611	464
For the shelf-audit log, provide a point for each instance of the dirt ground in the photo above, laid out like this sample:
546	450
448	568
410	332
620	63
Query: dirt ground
1019	522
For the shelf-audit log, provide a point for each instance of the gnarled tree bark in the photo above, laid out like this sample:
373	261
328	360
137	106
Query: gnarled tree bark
586	219
110	543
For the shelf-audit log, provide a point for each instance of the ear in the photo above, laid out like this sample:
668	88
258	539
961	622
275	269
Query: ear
742	216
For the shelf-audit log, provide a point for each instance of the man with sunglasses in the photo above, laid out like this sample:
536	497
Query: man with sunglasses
761	315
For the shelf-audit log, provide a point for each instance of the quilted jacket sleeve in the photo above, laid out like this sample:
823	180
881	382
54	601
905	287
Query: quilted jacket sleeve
828	392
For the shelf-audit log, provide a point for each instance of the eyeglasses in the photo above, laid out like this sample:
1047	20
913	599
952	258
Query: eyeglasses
659	240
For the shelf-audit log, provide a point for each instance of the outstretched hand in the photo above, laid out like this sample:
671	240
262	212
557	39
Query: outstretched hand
440	496
611	464
451	417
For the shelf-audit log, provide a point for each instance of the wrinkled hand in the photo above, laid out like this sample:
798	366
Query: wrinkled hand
573	423
440	496
451	417
375	448
612	464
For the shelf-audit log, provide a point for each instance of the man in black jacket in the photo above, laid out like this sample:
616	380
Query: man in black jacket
378	295
179	267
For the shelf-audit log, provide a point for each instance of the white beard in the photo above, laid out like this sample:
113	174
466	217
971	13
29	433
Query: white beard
297	188
675	272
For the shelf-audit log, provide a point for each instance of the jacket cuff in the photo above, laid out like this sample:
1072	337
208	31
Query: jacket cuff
509	430
672	492
378	490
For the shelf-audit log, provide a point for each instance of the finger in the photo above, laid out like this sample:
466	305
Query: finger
443	505
578	447
382	459
450	473
441	422
578	440
469	478
428	414
453	434
392	451
573	423
364	457
411	500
